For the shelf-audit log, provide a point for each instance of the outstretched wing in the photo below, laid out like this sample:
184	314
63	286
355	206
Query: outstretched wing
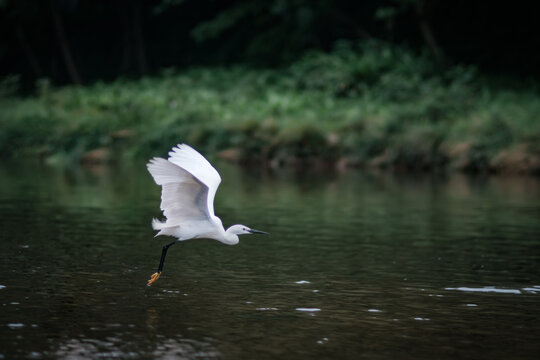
189	184
190	160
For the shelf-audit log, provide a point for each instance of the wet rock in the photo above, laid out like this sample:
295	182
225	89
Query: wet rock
458	154
342	164
332	139
516	160
122	134
232	154
382	160
96	156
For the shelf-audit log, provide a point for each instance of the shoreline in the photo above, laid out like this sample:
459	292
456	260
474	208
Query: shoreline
350	108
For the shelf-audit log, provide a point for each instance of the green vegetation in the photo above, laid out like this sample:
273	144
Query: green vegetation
372	105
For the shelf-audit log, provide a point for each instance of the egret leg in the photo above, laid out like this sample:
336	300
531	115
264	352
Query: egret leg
157	274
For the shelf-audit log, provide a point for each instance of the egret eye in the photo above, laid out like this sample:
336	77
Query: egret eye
244	229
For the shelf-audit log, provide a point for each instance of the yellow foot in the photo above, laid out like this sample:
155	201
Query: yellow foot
153	278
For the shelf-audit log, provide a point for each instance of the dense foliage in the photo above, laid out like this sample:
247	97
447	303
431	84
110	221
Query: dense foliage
81	41
372	104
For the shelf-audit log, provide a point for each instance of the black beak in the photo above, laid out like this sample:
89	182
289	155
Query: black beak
253	231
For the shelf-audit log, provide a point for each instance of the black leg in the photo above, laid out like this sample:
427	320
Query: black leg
156	275
163	254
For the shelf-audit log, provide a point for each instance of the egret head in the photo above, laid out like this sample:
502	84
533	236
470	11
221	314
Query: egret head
243	229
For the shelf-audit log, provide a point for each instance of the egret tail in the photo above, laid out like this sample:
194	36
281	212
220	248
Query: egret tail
163	228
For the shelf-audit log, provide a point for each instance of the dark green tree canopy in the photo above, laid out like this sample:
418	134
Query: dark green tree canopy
76	41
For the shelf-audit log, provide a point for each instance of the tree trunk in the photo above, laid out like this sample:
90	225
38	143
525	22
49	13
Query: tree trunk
427	32
137	36
353	25
30	56
64	45
126	41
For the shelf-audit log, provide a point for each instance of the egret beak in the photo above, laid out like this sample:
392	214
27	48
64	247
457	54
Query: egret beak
253	231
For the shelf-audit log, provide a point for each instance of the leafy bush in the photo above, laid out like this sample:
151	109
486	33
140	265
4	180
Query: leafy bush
361	102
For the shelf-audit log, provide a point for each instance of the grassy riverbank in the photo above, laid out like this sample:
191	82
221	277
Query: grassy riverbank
376	106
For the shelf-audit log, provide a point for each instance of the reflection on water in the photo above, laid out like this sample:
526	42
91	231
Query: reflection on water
357	265
493	289
113	348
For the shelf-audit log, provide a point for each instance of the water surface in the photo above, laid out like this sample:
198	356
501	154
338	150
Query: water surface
357	265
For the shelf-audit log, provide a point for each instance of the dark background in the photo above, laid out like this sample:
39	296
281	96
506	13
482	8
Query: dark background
81	41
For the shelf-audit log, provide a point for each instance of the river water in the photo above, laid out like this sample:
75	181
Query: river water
357	266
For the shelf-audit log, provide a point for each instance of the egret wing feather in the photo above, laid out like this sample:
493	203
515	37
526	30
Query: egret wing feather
194	163
182	202
164	172
183	197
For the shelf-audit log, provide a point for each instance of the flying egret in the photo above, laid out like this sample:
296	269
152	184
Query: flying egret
189	183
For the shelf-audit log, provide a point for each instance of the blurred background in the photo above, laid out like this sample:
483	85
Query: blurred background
422	253
408	84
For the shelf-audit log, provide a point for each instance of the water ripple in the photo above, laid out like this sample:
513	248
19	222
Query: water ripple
308	309
493	289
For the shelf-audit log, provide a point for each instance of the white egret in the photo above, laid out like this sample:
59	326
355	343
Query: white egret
189	183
